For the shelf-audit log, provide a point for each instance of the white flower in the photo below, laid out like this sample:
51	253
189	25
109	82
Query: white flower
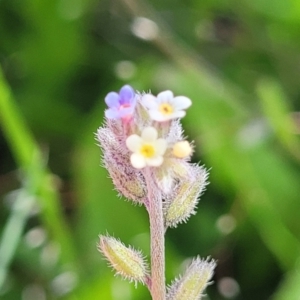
165	106
147	149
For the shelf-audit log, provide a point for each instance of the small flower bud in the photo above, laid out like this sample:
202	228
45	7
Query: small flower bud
183	201
182	149
164	180
193	282
128	181
127	262
179	169
172	171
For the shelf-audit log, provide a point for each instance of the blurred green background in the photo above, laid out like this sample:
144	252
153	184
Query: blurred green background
239	62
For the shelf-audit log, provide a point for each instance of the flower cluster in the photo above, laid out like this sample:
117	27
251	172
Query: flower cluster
144	131
148	160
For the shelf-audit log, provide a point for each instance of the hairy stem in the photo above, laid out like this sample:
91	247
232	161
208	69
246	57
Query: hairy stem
158	290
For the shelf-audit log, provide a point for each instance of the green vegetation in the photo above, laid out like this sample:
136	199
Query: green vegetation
239	63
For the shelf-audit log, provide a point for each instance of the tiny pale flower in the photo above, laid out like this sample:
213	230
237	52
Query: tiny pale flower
165	106
147	149
182	149
121	106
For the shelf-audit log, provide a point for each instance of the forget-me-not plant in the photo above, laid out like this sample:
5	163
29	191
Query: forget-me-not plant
148	160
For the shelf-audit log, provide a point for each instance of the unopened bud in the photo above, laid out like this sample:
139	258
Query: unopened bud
127	262
182	149
192	284
183	201
128	182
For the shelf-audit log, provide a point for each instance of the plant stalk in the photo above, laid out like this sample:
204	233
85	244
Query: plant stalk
157	239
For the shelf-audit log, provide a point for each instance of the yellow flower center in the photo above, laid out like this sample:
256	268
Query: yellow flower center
147	150
166	108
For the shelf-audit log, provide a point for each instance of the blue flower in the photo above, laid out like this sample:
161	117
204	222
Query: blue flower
122	105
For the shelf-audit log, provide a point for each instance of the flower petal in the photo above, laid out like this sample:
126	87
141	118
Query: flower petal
126	94
158	116
181	102
137	160
112	113
165	97
126	111
178	114
134	142
160	146
149	134
149	101
154	161
112	99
